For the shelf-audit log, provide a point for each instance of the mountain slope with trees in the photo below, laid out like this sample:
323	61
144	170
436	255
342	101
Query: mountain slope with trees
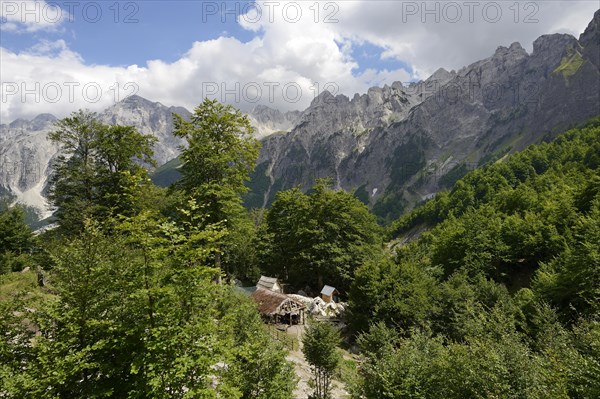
499	296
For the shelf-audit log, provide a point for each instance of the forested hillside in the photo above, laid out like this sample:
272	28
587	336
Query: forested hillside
499	297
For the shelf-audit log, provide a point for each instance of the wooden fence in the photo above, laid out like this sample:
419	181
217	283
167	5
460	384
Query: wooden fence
287	340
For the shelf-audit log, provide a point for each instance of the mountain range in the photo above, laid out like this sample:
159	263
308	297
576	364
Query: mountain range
393	146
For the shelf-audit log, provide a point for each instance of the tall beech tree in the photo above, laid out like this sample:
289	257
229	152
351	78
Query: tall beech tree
99	170
16	240
322	237
220	154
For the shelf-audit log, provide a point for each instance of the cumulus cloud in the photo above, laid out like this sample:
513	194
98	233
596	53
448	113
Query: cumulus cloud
297	51
31	16
453	34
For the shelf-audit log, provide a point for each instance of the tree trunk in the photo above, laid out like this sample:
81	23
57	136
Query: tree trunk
218	265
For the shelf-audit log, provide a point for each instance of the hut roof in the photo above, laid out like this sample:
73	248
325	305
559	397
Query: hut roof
328	290
270	302
266	282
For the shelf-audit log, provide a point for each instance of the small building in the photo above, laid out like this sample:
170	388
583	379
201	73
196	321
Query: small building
276	307
269	283
329	293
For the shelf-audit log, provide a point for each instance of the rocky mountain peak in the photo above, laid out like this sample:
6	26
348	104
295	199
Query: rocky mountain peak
135	100
593	28
42	120
501	103
267	120
149	118
514	48
263	113
397	85
549	51
441	77
552	44
590	40
261	109
18	123
325	97
38	123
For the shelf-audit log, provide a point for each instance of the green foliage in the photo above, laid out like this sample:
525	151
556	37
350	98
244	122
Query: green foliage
136	309
16	241
321	341
507	219
216	163
98	173
546	170
362	195
167	174
400	294
318	238
240	255
138	315
571	281
450	178
219	156
15	235
493	360
499	298
389	207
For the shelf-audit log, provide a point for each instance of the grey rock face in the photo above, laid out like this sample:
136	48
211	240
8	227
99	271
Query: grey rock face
395	146
25	155
149	118
267	121
590	40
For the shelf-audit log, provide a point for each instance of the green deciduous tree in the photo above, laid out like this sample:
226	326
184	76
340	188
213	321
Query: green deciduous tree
399	294
220	154
571	281
16	241
98	171
319	238
320	348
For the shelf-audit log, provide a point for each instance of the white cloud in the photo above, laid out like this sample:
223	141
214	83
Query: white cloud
308	54
453	34
31	16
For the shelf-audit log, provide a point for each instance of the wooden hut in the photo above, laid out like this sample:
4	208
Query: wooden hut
329	293
277	307
269	283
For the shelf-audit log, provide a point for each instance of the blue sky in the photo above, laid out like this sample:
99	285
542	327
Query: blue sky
133	32
172	51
